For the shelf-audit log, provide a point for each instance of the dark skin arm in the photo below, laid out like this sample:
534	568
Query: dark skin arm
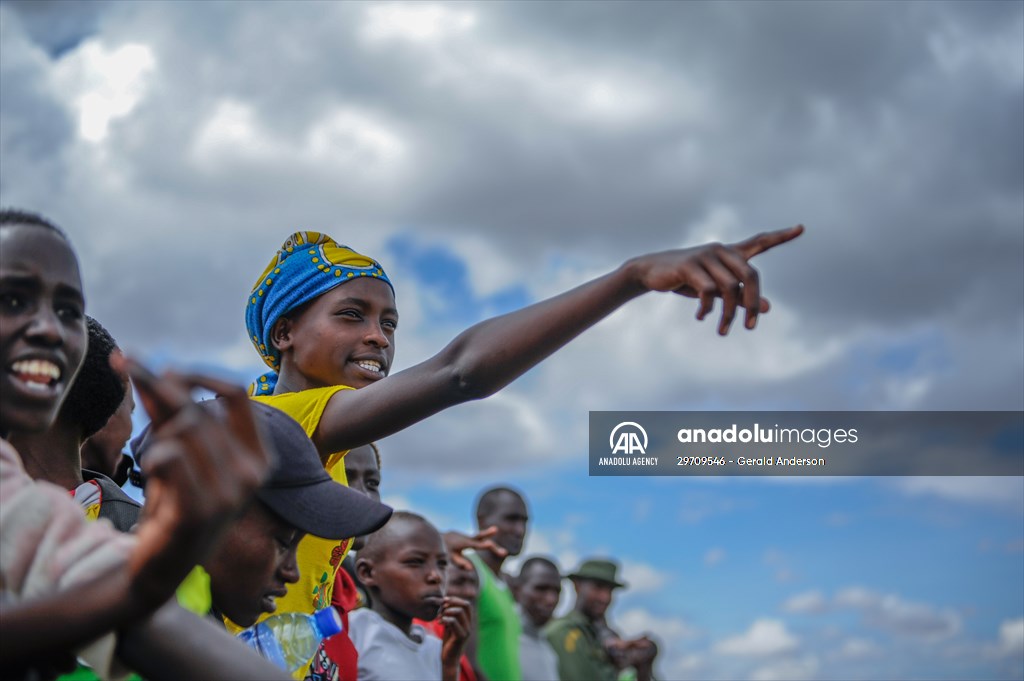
204	471
457	619
174	644
490	355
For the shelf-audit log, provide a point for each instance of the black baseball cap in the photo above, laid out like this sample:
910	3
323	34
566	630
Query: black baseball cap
298	488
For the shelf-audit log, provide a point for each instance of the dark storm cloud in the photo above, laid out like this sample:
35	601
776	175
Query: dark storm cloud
891	129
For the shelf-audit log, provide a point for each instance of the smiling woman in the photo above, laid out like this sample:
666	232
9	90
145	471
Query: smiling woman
42	321
69	585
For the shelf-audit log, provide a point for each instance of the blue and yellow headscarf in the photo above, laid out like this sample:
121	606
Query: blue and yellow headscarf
308	265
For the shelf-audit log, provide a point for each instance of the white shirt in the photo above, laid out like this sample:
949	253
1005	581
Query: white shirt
386	653
537	659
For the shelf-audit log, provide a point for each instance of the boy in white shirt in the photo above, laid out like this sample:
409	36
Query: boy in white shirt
403	565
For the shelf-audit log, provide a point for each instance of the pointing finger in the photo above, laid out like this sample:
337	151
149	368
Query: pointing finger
767	240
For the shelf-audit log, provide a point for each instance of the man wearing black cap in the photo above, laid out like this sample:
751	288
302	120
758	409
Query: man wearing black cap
587	648
256	557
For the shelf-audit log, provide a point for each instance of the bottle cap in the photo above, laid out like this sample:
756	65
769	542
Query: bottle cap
328	622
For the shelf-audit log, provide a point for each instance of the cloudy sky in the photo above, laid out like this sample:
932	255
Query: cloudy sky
493	154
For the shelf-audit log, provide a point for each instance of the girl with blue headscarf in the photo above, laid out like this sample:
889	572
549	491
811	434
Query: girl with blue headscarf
324	319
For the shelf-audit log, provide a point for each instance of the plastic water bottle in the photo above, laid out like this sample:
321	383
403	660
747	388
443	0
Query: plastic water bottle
290	639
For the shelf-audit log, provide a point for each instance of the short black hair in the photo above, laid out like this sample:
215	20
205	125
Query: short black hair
378	543
529	563
489	498
16	216
97	391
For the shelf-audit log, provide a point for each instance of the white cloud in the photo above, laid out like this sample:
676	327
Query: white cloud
643	577
858	648
666	631
1005	491
415	22
794	669
714	556
809	602
897	615
104	83
1011	637
765	637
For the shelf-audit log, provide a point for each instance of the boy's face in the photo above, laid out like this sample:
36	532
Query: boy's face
538	593
463	583
42	325
364	477
346	336
407	575
252	564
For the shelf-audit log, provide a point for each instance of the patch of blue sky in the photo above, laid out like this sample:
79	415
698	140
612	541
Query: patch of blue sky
910	353
779	540
444	273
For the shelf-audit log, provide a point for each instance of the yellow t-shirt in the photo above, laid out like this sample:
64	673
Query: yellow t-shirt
318	559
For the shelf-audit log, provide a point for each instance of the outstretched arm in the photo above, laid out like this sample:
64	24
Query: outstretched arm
175	644
490	355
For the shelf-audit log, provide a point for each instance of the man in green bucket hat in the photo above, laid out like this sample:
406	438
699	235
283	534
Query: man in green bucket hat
587	648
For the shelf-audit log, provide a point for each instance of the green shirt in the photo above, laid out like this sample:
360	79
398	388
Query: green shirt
498	628
581	657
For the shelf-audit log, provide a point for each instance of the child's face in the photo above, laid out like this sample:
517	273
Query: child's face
462	583
409	575
102	451
364	477
252	564
346	336
42	325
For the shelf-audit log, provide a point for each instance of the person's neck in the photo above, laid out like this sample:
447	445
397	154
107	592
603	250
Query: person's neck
585	616
400	620
530	627
52	456
290	380
493	562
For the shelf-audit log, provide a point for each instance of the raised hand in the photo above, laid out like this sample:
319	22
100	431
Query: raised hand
714	271
200	471
456	615
456	542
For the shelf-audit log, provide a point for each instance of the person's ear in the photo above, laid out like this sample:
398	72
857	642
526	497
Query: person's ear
281	334
364	571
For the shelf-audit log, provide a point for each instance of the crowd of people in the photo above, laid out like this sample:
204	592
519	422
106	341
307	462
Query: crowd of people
267	501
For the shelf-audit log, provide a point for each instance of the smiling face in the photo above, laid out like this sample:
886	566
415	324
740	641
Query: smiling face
42	325
344	337
404	567
252	564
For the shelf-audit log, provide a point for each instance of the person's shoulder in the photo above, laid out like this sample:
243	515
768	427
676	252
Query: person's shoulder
112	492
305	406
560	626
300	397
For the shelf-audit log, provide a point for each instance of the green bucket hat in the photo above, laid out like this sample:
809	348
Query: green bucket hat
598	570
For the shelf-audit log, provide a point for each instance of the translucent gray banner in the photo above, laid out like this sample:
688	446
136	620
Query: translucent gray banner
807	443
